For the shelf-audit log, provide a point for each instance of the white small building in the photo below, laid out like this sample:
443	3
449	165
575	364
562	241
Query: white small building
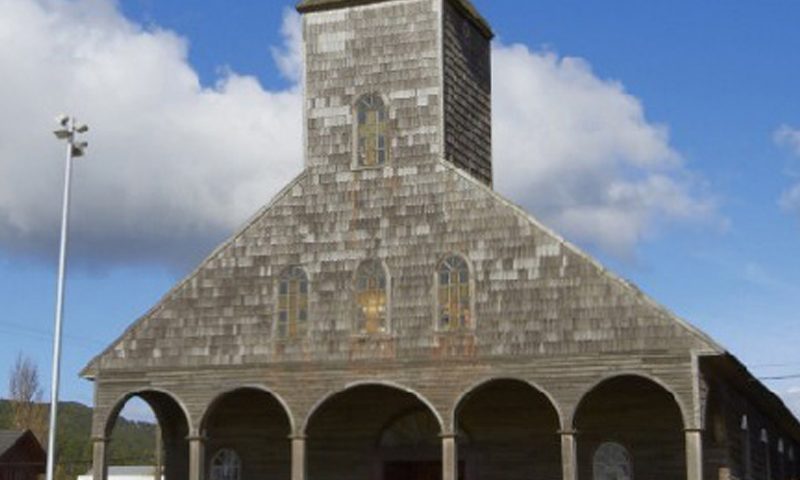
126	473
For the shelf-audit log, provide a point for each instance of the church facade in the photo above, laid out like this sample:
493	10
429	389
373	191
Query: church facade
388	316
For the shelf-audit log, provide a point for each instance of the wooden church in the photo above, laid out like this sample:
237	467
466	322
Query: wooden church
388	316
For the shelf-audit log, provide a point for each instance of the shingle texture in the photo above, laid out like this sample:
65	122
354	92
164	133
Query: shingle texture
534	294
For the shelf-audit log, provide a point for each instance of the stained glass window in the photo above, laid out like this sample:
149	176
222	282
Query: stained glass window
454	294
226	465
292	303
372	131
612	462
371	298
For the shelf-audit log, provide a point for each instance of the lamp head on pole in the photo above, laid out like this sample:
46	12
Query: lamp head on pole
68	128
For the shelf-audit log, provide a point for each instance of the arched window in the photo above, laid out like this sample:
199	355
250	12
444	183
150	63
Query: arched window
747	452
612	462
767	453
454	294
292	303
371	297
226	465
372	131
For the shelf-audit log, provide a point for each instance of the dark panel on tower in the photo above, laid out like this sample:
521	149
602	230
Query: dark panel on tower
467	93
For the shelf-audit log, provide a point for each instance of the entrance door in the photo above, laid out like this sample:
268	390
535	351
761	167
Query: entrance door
412	471
417	471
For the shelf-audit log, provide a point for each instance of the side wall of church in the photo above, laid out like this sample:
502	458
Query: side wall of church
742	441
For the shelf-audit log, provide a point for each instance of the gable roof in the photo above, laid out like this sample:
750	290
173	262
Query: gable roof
8	439
89	370
465	6
24	443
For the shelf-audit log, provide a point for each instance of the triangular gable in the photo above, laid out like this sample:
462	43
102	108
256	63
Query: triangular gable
410	217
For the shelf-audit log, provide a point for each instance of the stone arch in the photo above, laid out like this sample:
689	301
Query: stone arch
123	399
638	413
514	429
255	424
363	383
684	411
175	424
346	433
219	396
477	385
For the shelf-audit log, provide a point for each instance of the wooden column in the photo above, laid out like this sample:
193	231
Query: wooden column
569	456
449	457
298	457
197	457
99	467
694	454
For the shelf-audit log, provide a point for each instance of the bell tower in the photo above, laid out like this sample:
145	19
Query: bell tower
397	84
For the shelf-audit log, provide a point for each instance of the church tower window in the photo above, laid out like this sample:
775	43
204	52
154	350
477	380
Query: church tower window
612	461
372	131
292	303
371	287
226	465
454	297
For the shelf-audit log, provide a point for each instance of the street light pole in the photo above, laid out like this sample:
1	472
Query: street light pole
67	131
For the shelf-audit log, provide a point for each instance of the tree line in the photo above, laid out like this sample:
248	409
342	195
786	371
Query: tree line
132	443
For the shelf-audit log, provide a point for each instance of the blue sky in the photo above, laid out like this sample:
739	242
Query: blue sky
692	108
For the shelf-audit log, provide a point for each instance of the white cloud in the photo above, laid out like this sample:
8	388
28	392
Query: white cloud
290	58
578	151
174	167
789	137
790	200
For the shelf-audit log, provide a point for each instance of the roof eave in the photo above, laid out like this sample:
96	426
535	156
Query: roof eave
465	6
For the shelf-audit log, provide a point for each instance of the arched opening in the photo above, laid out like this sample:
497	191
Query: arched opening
374	432
247	436
635	415
164	447
512	433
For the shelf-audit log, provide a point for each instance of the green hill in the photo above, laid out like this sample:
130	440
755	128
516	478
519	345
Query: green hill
132	443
